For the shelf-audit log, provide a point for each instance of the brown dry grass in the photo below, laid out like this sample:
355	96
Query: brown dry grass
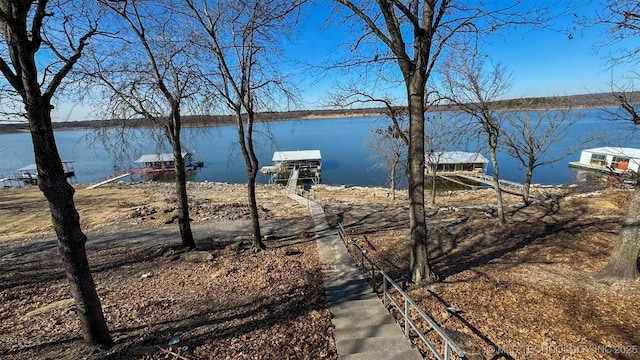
24	213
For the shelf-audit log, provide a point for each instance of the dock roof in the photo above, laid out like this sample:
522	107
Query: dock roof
616	151
283	156
149	158
461	157
30	167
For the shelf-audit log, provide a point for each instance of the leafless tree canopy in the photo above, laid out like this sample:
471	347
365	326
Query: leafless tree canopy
531	135
240	42
474	88
241	53
59	32
413	36
62	32
621	19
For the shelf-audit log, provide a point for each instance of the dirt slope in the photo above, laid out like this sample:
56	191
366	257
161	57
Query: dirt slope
524	289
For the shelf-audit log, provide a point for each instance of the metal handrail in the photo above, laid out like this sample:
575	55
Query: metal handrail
361	259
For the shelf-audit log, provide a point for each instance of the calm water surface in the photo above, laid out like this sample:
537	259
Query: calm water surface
346	159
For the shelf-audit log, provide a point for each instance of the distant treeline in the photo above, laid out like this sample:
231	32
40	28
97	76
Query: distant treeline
197	120
569	101
574	101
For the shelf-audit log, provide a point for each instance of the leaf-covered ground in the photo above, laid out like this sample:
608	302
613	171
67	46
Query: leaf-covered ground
237	306
525	288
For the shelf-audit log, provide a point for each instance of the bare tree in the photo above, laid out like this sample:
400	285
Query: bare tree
390	143
59	30
622	21
413	35
241	41
474	90
153	81
628	103
624	262
532	134
389	146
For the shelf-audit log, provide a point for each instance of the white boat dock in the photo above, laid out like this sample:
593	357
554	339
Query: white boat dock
619	160
307	162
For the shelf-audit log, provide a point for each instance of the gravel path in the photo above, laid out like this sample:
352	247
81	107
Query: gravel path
204	233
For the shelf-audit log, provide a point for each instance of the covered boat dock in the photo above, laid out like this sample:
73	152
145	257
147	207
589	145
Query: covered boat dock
308	163
153	163
455	161
28	175
609	159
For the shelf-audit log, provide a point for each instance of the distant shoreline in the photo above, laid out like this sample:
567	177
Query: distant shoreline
584	101
192	121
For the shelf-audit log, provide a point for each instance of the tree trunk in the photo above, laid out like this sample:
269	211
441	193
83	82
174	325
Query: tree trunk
394	169
23	36
527	185
623	262
419	262
251	162
496	185
184	222
433	186
253	208
66	222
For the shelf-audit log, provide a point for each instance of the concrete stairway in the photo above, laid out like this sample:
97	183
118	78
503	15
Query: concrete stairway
364	329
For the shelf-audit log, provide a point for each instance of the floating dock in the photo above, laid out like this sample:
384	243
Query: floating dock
159	163
28	175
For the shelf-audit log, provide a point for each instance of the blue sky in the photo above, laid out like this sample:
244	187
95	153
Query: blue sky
542	63
547	63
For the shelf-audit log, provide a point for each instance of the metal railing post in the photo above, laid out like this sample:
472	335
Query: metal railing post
384	291
406	317
373	275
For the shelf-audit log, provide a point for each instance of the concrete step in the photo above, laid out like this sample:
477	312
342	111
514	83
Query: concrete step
346	322
383	330
393	347
342	271
339	260
345	283
339	299
349	288
409	354
365	307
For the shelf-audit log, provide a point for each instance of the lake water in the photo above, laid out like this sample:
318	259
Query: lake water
346	159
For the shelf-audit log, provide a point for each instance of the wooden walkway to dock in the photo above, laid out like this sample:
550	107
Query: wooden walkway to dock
507	186
108	181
